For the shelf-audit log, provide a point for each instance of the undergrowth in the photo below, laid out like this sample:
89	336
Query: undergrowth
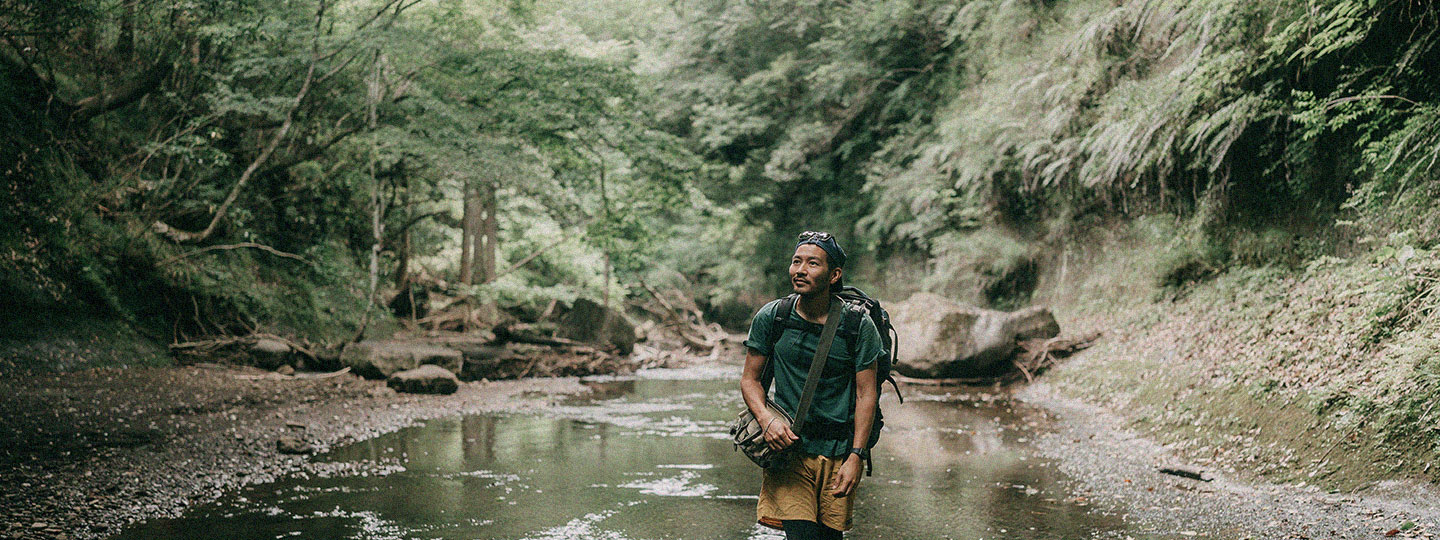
1326	371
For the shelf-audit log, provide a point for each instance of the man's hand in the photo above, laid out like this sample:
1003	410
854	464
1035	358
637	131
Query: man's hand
842	484
778	435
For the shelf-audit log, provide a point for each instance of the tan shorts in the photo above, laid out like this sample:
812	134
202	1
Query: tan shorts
799	491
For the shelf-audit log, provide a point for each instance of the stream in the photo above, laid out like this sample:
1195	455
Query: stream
648	457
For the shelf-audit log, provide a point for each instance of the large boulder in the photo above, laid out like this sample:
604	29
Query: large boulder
590	322
380	359
426	379
941	338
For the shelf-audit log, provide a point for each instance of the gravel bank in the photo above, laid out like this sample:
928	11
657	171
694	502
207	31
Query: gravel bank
1116	469
84	454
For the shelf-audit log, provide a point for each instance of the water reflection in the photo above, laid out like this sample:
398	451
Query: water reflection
648	459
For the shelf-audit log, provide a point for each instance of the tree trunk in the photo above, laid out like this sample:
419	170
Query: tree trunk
477	236
402	263
377	203
605	288
125	41
468	225
491	232
377	229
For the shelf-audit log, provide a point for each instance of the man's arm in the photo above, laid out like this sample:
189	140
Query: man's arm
867	393
777	434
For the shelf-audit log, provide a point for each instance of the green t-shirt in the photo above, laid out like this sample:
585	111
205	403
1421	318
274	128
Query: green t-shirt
834	401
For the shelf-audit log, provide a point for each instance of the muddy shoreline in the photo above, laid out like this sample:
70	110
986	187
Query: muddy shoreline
92	451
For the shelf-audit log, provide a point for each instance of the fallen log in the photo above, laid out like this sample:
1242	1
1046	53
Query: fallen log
211	345
297	376
517	333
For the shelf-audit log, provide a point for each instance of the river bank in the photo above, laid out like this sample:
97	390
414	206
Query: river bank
1117	468
1322	374
94	450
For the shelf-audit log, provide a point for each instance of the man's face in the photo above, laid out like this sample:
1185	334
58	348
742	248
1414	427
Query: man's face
810	271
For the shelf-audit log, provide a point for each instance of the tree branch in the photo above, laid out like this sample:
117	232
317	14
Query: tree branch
180	236
309	153
106	101
228	247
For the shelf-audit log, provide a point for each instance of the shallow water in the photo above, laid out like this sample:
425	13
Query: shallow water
648	458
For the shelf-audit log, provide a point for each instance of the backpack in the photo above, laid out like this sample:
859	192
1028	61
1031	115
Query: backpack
858	305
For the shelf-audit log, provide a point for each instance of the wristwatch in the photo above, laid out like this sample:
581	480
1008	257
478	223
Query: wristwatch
862	452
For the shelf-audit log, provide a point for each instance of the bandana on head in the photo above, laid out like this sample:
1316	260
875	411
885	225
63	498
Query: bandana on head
825	241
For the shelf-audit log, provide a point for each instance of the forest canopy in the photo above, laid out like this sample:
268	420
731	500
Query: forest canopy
208	166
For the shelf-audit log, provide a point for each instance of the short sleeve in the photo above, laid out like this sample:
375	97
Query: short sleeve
871	347
761	327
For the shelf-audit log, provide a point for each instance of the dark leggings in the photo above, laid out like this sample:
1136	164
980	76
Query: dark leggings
809	530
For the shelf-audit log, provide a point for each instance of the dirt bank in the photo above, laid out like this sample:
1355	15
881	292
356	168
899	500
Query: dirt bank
88	452
1116	469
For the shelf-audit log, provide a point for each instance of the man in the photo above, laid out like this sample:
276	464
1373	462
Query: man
810	493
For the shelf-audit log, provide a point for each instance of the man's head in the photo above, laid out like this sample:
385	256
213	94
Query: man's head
816	267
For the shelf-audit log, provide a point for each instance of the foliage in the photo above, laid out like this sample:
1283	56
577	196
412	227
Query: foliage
684	144
258	118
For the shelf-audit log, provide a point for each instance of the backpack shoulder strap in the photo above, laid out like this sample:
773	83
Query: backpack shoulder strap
850	325
777	328
782	318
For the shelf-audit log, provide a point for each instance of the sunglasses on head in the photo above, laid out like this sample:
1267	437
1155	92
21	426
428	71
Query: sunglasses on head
816	236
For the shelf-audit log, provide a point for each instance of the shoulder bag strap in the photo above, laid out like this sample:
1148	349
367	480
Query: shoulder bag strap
822	354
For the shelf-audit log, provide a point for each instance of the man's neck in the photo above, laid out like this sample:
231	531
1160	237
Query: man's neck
814	307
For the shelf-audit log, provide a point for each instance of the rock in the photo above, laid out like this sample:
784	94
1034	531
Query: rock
285	370
593	323
941	338
270	353
380	359
292	445
426	379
